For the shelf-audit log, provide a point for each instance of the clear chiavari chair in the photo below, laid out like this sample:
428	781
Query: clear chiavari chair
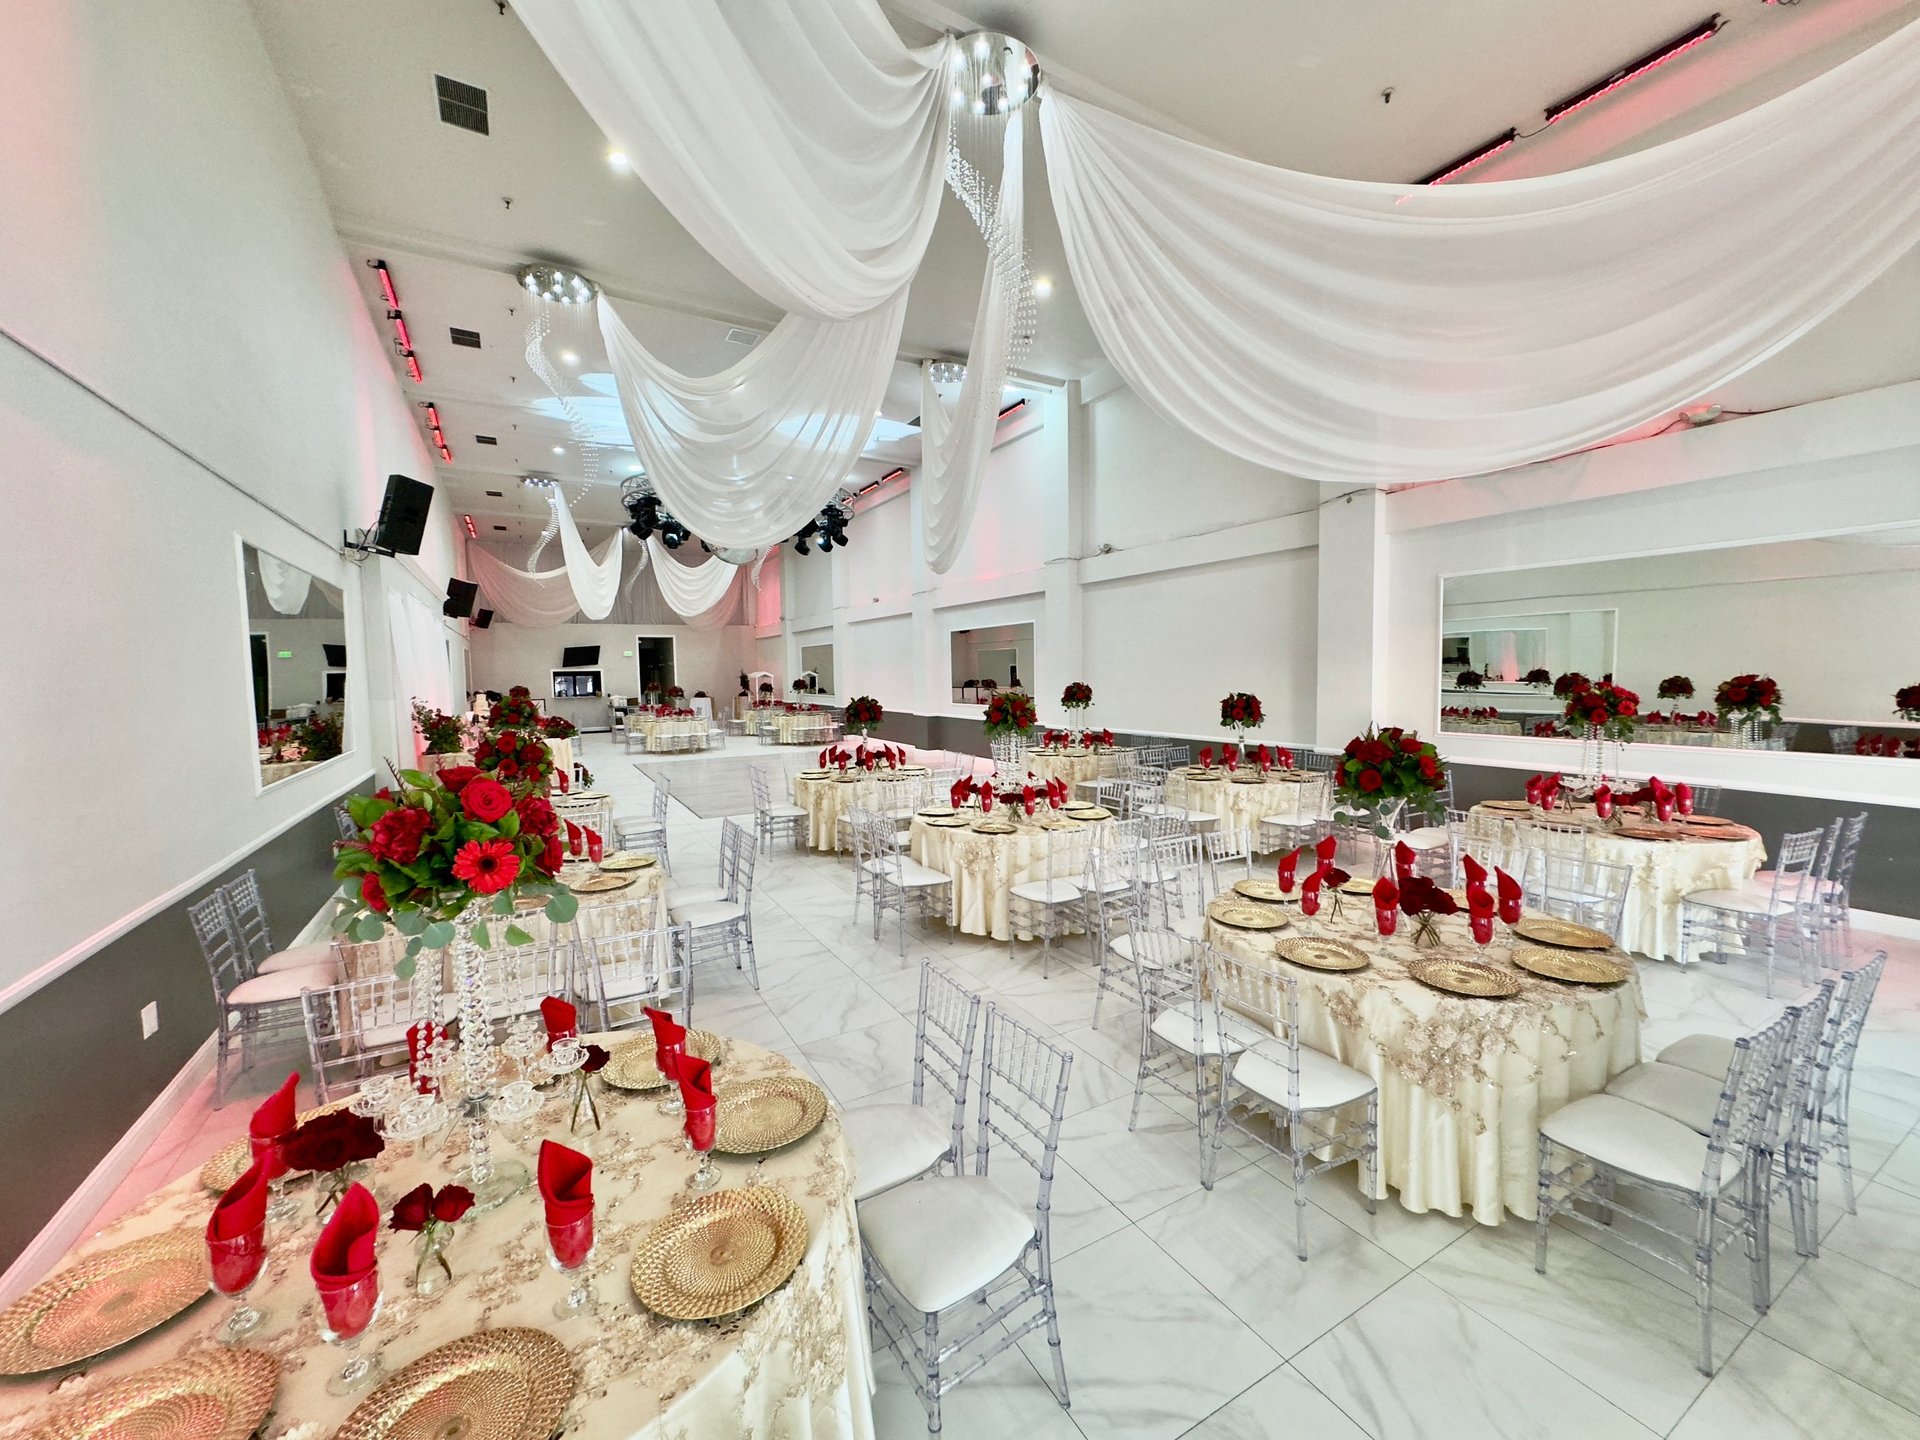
358	1027
1229	856
344	823
1175	875
726	924
249	911
957	1272
632	969
1306	823
1049	902
647	834
1765	918
899	1142
894	880
1115	901
1179	1040
771	818
1572	887
248	1005
678	895
1310	1098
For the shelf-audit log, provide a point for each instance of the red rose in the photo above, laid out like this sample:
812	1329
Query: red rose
372	892
451	1203
396	835
329	1141
536	815
1370	781
413	1209
596	1057
486	801
488	866
1410	744
508	769
554	856
1628	707
457	777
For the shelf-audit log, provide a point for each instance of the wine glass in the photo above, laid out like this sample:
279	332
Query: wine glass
347	1313
237	1262
1310	905
700	1134
668	1058
569	1247
281	1207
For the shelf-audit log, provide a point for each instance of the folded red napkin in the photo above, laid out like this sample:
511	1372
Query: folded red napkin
1310	893
243	1208
667	1032
1480	915
986	796
1230	756
275	1117
1206	757
1509	889
1550	791
1285	875
1386	905
1683	797
1402	859
1534	783
1026	799
1283	757
1325	847
562	1020
560	779
573	838
1603	801
696	1091
823	757
1476	874
595	845
566	1183
961	789
344	1254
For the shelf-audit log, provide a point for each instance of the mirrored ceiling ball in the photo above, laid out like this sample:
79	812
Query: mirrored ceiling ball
993	74
736	554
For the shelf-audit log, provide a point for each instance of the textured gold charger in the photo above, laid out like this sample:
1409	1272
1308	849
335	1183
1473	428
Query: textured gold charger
1244	778
814	774
1508	807
632	1067
755	1116
1197	774
933	811
949	822
597	884
1578	967
103	1301
213	1394
1646	832
231	1160
992	827
1320	954
628	860
509	1384
1246	915
1090	812
719	1253
1464	977
1354	885
1266	891
1565	933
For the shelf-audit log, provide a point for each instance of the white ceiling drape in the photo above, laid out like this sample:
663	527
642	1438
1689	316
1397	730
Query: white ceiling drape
421	669
702	594
748	456
799	141
1365	333
544	598
285	585
594	582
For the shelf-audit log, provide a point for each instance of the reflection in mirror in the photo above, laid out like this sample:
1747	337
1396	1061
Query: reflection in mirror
816	668
297	648
1772	647
995	657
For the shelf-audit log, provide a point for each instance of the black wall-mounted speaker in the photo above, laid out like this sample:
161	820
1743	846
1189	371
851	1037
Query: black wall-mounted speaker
460	597
403	516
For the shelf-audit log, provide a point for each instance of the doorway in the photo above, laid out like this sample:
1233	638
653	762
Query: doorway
257	654
654	656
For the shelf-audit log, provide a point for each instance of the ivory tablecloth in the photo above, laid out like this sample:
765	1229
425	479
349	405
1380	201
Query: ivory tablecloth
796	1365
1072	766
825	801
1664	871
1294	796
983	867
799	727
659	733
1463	1083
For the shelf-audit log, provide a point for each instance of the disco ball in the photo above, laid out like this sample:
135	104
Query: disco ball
993	74
735	554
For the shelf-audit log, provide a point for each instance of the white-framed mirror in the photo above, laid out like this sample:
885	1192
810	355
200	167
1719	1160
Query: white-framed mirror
298	664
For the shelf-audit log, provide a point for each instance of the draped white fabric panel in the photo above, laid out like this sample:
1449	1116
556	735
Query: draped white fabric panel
956	437
1357	332
420	666
286	585
748	456
797	140
701	593
539	599
595	583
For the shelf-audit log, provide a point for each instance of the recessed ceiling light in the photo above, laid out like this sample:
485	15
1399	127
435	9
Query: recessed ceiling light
633	467
1042	286
567	357
559	449
617	159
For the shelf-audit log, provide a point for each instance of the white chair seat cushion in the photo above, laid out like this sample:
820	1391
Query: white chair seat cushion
680	896
283	985
1636	1141
1046	892
1174	1026
1675	1092
703	913
892	1143
1708	1055
785	812
1324	1082
1744	901
913	875
942	1239
1189	927
299	957
1432	837
1763	882
639	827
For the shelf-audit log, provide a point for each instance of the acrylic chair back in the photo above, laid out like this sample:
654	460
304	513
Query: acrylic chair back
1229	856
249	910
1259	995
1748	1094
353	1026
637	968
946	1034
1846	1021
737	876
219	943
1023	1099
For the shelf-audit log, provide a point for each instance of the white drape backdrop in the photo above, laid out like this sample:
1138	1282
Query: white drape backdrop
702	593
797	140
286	585
594	582
420	666
544	598
748	456
1358	332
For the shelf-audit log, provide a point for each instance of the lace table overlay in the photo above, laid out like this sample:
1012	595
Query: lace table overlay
825	801
795	1365
1239	806
985	867
1463	1083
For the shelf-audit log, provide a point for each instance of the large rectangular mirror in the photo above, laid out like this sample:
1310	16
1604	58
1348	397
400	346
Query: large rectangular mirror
1824	620
989	658
298	661
816	668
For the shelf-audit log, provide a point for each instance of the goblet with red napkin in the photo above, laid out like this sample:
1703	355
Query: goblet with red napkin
986	797
1284	872
1403	858
1230	757
346	1273
1310	894
1480	909
1683	797
1206	757
1603	801
561	1018
960	790
596	847
1386	905
237	1247
696	1092
1325	848
267	1130
1534	786
1509	897
669	1046
1662	798
566	1191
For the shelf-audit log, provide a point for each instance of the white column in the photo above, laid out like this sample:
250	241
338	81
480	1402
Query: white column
1351	668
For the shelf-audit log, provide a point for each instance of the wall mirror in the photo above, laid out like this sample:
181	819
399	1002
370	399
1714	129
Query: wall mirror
298	662
816	668
1825	621
990	658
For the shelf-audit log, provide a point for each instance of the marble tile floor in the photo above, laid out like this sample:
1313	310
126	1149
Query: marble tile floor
1184	1312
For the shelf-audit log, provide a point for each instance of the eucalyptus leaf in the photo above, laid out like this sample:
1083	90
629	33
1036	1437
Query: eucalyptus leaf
403	967
517	936
438	935
481	938
409	920
503	903
369	927
413	946
563	907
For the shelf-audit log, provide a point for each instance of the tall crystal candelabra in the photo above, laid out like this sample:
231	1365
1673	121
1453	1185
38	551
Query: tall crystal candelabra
491	1180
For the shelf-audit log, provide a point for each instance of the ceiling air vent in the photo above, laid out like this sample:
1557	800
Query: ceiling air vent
468	338
499	527
737	336
461	104
485	440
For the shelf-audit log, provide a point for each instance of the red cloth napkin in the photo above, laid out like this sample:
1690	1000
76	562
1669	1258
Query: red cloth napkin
1603	801
573	838
1476	874
1230	756
1386	905
1550	791
962	788
1534	782
275	1117
595	845
243	1208
1402	859
1285	876
566	1183
1206	757
1310	894
1283	757
696	1090
1325	848
1683	797
1509	889
1480	915
343	1258
562	1020
986	797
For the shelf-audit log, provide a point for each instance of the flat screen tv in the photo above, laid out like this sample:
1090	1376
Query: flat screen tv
336	656
574	657
575	684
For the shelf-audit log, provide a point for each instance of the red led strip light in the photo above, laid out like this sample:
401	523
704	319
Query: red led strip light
1633	70
439	436
403	342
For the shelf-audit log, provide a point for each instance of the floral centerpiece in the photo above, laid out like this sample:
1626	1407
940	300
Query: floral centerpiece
327	1146
1093	739
766	692
320	737
1906	702
1469	680
513	757
444	734
1674	687
1009	714
1241	711
277	741
864	713
1539	675
1077	696
1610	709
1388	771
675	692
431	1214
516	712
1565	685
1744	699
558	727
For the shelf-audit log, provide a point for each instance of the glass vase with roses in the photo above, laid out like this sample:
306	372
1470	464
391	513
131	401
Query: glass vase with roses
1387	771
515	712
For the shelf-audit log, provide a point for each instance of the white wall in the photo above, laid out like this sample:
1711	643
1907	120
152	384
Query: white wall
505	655
187	363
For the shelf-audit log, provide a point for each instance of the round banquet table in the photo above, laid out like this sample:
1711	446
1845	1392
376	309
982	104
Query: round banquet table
825	801
1292	796
1664	871
800	727
1464	1083
1072	765
796	1364
984	868
658	732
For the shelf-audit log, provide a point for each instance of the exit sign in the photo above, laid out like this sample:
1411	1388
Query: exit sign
283	654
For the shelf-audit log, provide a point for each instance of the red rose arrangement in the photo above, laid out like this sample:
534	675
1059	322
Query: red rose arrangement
515	758
320	737
1469	680
1747	697
1241	711
1077	696
1009	714
1906	702
1390	764
558	727
277	741
1611	709
516	712
674	692
1539	675
1891	747
1469	712
1094	738
327	1144
864	712
1674	687
1565	685
444	734
427	1212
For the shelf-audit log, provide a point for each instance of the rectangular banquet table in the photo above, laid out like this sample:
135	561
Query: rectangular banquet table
1464	1083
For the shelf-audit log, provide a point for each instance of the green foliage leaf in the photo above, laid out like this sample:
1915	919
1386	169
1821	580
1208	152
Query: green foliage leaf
409	920
418	779
369	927
563	906
403	968
503	903
481	936
517	936
438	935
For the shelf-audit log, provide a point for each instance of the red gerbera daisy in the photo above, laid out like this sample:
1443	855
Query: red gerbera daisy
487	865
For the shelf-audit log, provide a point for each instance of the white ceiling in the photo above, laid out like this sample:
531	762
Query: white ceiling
1291	82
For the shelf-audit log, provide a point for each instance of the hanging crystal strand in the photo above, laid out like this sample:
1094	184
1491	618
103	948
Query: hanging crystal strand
490	1182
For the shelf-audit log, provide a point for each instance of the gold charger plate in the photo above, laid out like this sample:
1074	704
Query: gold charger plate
814	774
628	860
509	1384
103	1301
632	1067
993	827
1093	812
1578	967
1245	779
1203	774
230	1161
1646	832
598	883
1266	891
760	1115
948	822
933	812
1508	807
1318	954
1356	886
214	1394
1548	931
1464	977
1246	915
719	1253
1081	805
